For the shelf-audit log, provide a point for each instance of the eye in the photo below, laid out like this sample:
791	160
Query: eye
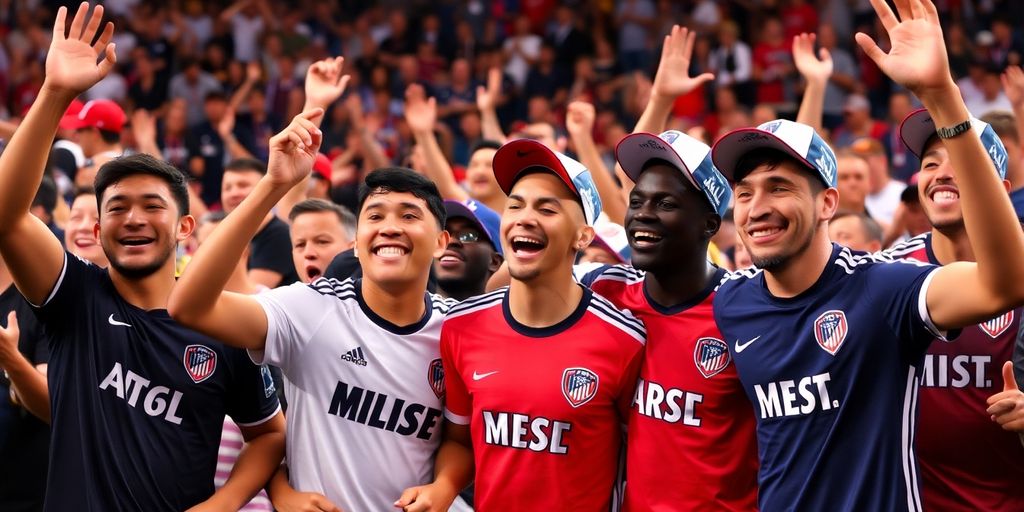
547	211
409	216
666	205
373	216
634	202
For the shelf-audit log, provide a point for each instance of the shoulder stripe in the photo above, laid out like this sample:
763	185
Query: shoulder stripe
440	303
478	303
621	273
624	321
907	246
639	335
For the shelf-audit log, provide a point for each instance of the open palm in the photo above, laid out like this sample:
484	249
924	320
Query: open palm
673	77
918	58
72	63
420	112
817	68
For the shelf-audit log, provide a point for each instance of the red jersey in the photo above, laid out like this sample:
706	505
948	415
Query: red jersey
545	406
691	443
967	461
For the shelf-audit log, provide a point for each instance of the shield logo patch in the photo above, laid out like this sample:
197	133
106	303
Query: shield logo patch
830	330
711	355
579	385
200	362
435	377
997	325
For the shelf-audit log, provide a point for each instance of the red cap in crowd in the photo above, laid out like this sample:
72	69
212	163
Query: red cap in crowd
101	114
322	167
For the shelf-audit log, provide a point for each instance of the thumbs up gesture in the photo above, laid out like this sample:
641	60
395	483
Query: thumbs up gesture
1007	407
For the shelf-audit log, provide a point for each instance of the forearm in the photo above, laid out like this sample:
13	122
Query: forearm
655	114
235	148
278	485
611	197
989	218
256	464
438	168
812	106
295	195
491	127
240	95
29	383
373	155
453	467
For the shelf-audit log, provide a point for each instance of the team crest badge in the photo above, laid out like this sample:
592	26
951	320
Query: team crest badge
997	325
579	385
830	330
435	377
200	362
711	356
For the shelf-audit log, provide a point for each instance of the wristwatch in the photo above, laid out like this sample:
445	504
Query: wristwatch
953	131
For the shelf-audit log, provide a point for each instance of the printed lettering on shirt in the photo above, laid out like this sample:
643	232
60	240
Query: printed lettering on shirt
960	371
381	411
158	400
538	434
672	405
779	399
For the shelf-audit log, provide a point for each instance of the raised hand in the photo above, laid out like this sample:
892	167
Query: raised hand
325	83
487	97
143	126
1013	86
812	68
579	119
918	58
1007	407
293	151
420	111
673	77
71	63
253	72
226	125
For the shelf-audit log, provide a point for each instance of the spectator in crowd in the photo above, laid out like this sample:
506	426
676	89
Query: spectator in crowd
522	49
98	128
772	65
1006	126
731	62
904	164
474	251
856	231
990	93
80	235
43	205
634	19
852	175
320	230
857	122
843	80
883	191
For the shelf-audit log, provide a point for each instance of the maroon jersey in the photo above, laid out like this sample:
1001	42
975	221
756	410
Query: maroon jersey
545	406
967	461
691	443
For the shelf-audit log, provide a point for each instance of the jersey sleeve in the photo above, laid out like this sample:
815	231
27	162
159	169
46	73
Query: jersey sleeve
252	399
587	273
63	309
902	288
294	314
458	407
1018	358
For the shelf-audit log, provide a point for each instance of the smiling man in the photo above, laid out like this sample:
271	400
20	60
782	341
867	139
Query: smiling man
129	387
474	251
539	375
829	344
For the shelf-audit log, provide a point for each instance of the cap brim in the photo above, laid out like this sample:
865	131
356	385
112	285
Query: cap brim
734	145
71	122
598	241
635	150
916	129
519	155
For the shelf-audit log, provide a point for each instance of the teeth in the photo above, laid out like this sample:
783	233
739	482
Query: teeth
390	251
945	195
527	240
646	234
765	232
449	258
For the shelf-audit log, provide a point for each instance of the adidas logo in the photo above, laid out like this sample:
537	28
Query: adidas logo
355	356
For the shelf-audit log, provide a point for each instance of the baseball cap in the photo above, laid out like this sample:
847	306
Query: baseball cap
612	238
856	102
70	119
918	127
691	156
485	218
516	156
322	167
102	114
795	139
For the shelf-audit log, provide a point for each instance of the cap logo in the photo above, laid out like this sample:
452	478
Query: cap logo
998	156
752	136
827	166
771	126
669	136
650	144
714	190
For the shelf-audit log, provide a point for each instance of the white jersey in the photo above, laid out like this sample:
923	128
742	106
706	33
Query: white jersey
365	396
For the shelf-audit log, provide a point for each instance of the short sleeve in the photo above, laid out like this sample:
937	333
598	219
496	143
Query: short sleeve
458	407
902	288
587	273
62	308
294	313
252	398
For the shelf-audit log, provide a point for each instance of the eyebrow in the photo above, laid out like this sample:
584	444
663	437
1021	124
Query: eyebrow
404	205
934	152
125	197
542	200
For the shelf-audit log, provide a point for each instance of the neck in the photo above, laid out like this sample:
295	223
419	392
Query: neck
461	291
148	293
401	306
802	271
544	302
952	245
681	283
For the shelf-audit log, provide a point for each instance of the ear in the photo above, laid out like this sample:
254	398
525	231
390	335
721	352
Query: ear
186	225
584	236
712	223
1006	185
96	230
827	203
496	261
443	238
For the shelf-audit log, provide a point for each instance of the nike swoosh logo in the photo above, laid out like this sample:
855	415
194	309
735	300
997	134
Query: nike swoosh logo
115	322
481	376
741	347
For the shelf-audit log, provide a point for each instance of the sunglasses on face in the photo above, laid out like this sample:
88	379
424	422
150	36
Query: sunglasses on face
467	237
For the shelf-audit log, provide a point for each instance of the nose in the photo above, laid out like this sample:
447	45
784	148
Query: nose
758	206
644	212
135	217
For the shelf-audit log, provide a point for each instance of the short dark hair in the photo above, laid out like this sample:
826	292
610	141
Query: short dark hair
870	226
82	190
210	217
1003	123
46	195
214	96
122	167
402	179
246	165
773	158
347	219
110	137
485	144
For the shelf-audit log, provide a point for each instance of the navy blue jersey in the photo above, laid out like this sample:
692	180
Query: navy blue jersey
137	400
833	376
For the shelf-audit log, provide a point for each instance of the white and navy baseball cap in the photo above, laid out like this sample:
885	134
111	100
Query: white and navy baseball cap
691	156
796	139
520	155
485	218
918	128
